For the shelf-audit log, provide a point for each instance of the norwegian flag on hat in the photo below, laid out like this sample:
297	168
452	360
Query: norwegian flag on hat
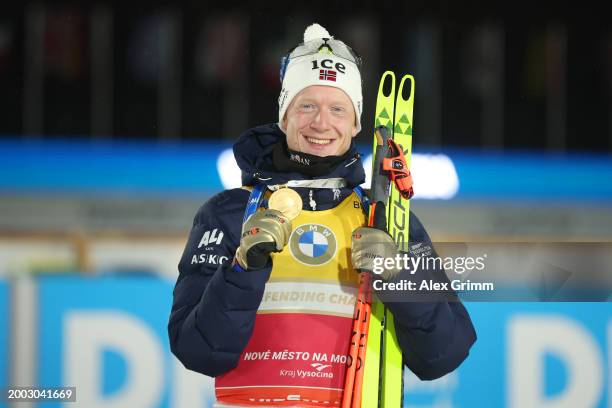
327	75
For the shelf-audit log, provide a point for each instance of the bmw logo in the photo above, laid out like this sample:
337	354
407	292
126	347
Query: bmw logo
313	244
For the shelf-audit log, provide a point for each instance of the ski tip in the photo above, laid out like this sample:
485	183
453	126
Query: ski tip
406	79
388	75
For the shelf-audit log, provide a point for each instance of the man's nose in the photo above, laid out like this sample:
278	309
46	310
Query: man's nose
321	120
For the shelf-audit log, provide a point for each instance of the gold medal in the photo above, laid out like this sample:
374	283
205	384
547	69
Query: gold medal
287	201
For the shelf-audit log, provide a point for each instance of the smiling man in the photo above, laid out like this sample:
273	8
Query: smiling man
270	314
320	121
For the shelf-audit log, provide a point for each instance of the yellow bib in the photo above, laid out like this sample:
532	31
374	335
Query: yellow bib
298	351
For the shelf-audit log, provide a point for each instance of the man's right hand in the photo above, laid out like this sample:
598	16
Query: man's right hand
264	232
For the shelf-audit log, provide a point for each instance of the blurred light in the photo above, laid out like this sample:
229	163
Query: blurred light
434	175
206	168
228	170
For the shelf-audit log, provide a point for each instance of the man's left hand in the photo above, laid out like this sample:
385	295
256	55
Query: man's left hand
369	249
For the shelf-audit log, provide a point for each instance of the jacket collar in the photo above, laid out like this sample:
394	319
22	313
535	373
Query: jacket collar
253	153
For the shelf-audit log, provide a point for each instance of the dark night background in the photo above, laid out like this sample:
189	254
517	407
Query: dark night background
487	75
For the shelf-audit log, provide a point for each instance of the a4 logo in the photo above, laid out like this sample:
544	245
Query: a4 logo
211	237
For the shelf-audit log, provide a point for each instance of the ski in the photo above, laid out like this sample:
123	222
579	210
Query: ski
399	206
383	359
398	218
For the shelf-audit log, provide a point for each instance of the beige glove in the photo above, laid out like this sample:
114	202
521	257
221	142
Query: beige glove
369	248
264	232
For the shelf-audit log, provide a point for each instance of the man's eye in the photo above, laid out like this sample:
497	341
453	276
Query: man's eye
307	106
337	109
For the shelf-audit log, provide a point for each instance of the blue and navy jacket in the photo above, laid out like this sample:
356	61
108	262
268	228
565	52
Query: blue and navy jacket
215	305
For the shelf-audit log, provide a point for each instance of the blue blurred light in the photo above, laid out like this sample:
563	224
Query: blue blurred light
117	167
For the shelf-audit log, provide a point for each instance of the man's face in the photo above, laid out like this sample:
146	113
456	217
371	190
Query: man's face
320	121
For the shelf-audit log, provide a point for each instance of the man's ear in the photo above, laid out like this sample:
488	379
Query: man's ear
354	131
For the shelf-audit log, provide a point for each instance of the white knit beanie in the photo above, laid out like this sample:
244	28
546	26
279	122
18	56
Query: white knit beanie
320	69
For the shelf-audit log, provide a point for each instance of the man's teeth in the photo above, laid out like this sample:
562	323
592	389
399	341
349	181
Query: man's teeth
319	141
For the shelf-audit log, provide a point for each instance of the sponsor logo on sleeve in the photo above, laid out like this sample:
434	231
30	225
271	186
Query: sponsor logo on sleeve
210	259
211	237
209	244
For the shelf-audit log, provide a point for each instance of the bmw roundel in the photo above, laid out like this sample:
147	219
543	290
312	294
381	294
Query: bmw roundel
313	244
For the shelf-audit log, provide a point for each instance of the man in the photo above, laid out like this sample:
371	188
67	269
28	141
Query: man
266	307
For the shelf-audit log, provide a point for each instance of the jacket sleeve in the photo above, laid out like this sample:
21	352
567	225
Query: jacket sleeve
434	331
214	303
